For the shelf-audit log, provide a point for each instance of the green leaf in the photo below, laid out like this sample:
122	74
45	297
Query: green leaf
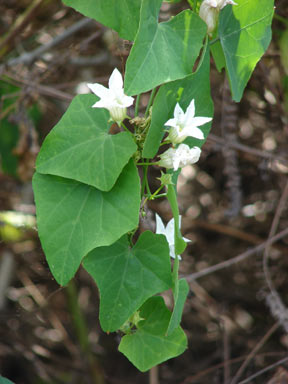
3	380
162	52
149	345
79	147
180	295
127	276
245	33
195	86
122	16
218	55
74	218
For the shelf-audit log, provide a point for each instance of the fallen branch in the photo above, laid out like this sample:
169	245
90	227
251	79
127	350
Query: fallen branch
236	259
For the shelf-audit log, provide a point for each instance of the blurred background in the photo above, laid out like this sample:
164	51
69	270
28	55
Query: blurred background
232	202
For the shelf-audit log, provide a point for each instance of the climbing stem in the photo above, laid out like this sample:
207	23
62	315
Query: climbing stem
150	101
137	105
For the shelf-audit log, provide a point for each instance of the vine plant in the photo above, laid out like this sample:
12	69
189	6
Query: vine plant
88	193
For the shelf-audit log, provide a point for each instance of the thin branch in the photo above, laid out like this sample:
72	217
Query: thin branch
20	24
29	57
272	232
249	379
246	148
254	351
236	259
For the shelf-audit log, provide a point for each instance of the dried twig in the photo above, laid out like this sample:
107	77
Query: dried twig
254	351
249	379
245	148
274	301
21	23
29	57
236	259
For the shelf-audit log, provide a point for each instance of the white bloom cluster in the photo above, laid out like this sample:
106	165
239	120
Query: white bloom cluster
183	124
168	232
113	98
179	157
209	12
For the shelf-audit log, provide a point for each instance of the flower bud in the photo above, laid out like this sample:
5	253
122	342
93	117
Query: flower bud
209	14
179	157
118	114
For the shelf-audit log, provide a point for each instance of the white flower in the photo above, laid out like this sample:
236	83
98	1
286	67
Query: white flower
168	232
113	98
209	12
185	124
179	157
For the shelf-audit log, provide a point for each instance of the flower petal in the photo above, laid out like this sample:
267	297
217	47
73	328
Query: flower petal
201	120
170	231
127	101
115	81
190	111
160	228
193	132
103	103
178	113
100	90
172	123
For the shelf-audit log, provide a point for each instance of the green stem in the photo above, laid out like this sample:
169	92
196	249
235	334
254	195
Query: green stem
82	333
152	197
137	105
150	101
175	273
195	6
281	18
156	162
125	128
77	316
165	142
160	195
214	40
146	179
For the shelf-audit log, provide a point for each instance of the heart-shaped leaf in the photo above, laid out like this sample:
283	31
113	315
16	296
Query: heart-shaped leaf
245	33
74	218
149	345
162	52
80	148
127	276
122	16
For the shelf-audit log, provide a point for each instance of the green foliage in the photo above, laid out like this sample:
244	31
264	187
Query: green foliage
80	148
163	52
87	187
74	218
150	345
245	33
127	276
8	132
3	380
122	16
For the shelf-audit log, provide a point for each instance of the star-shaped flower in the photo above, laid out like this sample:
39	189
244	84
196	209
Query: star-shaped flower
168	232
112	98
179	157
185	124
